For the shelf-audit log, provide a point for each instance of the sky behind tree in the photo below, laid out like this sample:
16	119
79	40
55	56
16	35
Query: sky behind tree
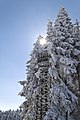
21	22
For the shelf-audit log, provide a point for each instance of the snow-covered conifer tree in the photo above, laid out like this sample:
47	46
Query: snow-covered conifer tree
76	56
37	87
62	69
10	115
51	90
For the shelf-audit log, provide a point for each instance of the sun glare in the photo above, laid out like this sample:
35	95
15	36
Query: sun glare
42	41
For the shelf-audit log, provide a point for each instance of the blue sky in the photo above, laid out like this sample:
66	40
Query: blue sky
21	21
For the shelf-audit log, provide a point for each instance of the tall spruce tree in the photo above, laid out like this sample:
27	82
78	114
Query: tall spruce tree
37	87
52	87
76	56
62	69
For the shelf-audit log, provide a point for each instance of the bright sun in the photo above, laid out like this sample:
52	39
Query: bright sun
42	41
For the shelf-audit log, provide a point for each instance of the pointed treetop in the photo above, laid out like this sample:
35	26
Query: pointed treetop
63	20
76	27
62	12
50	28
49	21
49	24
76	23
62	8
39	37
41	40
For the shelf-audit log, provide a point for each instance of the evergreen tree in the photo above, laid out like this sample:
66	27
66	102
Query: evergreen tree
62	69
76	56
51	90
10	115
36	88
